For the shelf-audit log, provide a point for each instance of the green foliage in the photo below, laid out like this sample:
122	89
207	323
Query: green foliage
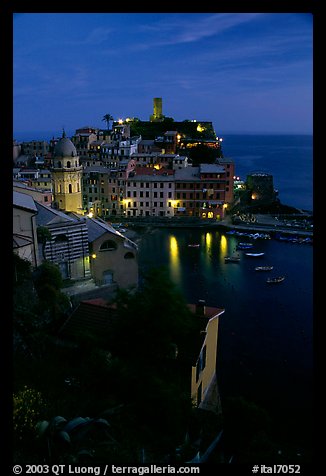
201	154
151	325
22	270
136	368
24	296
150	130
43	234
48	283
153	320
168	120
28	407
47	274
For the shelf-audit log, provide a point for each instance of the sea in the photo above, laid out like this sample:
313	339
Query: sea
288	158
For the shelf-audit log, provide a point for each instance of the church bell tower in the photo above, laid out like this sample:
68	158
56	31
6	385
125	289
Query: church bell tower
66	175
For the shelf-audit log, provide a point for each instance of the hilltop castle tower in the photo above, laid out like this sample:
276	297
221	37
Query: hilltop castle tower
157	115
67	177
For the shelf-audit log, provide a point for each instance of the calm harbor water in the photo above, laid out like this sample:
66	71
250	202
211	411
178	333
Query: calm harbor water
265	348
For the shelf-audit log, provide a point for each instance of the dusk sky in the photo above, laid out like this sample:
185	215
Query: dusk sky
245	72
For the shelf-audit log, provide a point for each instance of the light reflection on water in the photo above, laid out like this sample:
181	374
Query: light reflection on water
174	259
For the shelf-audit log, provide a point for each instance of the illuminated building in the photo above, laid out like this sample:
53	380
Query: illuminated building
204	389
204	191
157	110
66	177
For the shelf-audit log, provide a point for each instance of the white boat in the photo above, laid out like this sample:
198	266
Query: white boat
194	245
255	255
264	268
231	259
244	246
277	279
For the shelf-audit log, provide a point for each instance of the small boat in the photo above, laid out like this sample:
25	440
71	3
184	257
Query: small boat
255	255
275	280
264	268
194	245
244	246
231	259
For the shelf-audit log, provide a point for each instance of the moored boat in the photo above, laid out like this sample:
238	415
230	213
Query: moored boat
231	259
255	255
264	268
277	279
244	246
194	245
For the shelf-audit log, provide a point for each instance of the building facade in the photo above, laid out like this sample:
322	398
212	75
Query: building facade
114	258
149	192
68	246
204	390
39	195
25	242
203	191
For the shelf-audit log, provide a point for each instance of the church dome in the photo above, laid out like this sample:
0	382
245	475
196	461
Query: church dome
64	148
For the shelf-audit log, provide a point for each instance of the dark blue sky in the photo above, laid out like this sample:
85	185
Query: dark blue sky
245	72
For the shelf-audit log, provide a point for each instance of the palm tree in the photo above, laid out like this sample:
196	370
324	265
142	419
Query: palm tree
107	118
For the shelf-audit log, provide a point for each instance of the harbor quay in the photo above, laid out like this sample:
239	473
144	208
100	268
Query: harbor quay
262	224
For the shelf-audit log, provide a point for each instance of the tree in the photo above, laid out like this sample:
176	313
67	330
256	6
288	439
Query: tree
150	344
43	236
153	322
168	119
48	283
202	154
108	118
22	270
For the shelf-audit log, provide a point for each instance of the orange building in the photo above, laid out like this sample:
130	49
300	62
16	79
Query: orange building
204	191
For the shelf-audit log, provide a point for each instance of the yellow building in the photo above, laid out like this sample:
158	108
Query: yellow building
114	258
157	110
67	177
204	390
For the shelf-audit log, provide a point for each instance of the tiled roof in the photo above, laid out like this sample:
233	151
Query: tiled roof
91	316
